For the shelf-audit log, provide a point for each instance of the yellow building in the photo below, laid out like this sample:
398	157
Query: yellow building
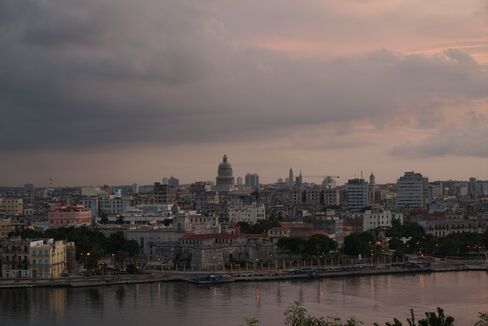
47	258
5	228
12	206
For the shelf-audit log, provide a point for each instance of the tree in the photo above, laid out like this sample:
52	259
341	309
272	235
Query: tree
319	244
120	219
483	320
104	219
359	243
439	319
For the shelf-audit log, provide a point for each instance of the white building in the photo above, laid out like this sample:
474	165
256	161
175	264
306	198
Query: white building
373	220
113	205
250	214
412	191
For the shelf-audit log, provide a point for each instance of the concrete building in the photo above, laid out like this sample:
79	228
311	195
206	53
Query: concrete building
113	205
312	195
239	182
67	216
250	214
252	181
14	258
163	194
357	194
5	227
47	258
412	191
39	259
291	179
380	219
93	192
12	206
331	197
442	228
93	204
225	179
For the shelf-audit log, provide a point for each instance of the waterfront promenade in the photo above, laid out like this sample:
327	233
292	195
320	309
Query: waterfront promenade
245	275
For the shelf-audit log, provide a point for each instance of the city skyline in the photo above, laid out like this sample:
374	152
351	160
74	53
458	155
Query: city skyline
311	178
117	92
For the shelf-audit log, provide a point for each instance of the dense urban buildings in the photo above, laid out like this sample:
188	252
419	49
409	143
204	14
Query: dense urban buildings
204	224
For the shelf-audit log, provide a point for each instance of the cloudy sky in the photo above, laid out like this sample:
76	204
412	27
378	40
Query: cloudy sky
122	91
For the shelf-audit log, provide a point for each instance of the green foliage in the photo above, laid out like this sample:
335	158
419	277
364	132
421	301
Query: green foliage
359	243
297	315
251	322
132	269
483	320
406	230
91	245
104	219
312	247
262	226
460	243
397	245
439	319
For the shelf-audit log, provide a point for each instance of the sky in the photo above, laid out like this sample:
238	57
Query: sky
121	91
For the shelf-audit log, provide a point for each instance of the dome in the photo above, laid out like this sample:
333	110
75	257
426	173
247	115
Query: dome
225	179
225	168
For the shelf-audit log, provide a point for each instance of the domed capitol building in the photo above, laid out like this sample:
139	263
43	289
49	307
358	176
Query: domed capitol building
225	180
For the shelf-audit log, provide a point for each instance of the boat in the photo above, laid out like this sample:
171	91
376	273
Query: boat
211	279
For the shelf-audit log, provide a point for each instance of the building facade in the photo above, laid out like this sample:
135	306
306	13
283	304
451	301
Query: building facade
12	206
380	219
250	214
357	193
412	191
68	216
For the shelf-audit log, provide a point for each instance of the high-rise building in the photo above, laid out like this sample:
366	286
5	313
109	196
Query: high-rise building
372	189
412	191
252	180
331	196
225	179
291	180
239	181
163	194
357	191
173	182
372	179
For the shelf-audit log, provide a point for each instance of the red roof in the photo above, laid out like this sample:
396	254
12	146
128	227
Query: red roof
200	237
296	225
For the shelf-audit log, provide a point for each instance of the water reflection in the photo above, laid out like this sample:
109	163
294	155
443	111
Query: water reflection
120	294
375	298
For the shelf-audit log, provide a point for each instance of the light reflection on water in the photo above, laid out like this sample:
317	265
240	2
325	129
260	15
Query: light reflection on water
370	298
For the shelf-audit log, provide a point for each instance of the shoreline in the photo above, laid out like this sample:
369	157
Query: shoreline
97	281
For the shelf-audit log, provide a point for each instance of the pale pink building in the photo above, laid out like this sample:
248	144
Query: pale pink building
66	216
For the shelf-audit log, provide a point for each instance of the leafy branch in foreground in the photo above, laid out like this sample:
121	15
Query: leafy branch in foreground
297	315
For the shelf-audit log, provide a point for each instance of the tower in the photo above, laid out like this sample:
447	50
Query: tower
372	179
291	180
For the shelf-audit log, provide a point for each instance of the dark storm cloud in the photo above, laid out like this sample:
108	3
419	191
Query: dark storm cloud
89	73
